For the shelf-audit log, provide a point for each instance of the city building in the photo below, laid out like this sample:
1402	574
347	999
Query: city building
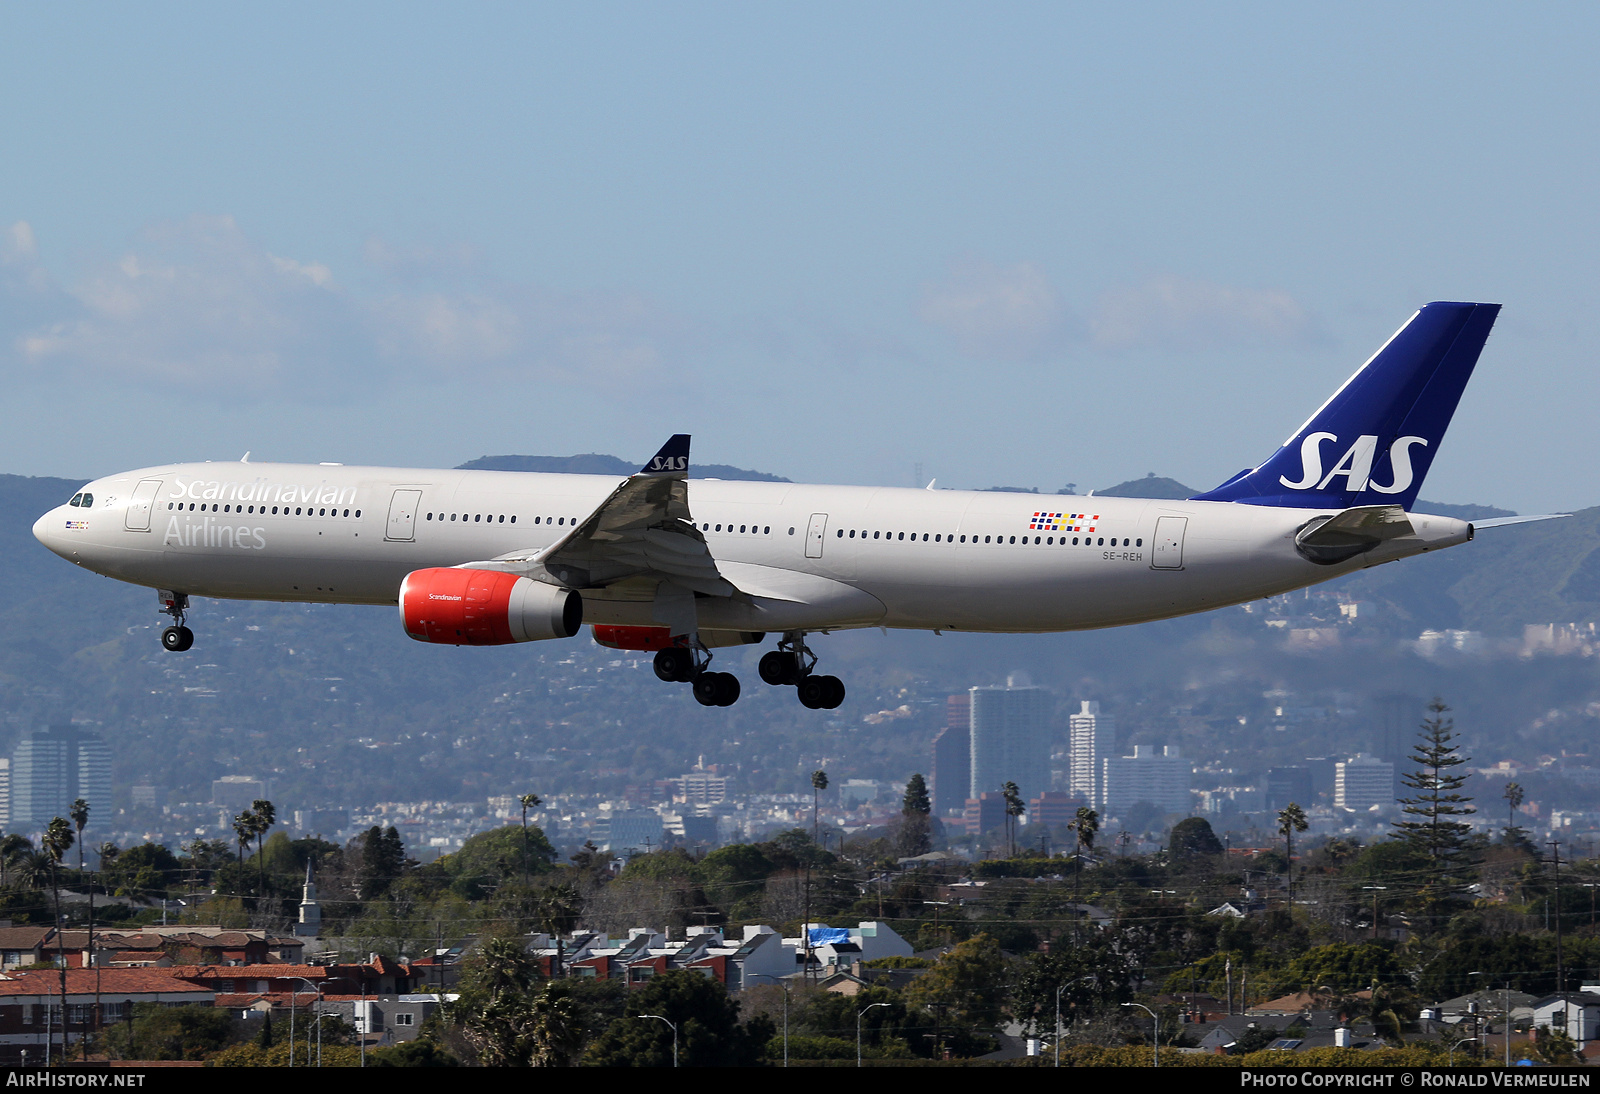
984	813
1289	784
1052	808
1092	742
1010	738
952	758
53	767
1162	780
1363	781
239	792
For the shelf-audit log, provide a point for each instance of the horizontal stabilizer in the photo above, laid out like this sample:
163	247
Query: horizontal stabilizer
1501	522
1328	541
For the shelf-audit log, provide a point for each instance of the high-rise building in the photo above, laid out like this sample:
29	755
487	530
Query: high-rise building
1091	743
1289	784
952	758
985	812
1362	782
1010	739
1162	780
53	767
5	795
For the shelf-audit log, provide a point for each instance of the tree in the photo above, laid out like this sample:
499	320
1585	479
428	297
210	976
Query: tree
529	801
709	1031
1193	837
57	842
1015	808
264	817
383	861
1085	825
969	981
915	834
1433	828
244	827
157	1031
1291	819
1514	797
819	783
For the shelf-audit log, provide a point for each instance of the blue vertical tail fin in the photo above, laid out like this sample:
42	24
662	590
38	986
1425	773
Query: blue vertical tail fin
1373	441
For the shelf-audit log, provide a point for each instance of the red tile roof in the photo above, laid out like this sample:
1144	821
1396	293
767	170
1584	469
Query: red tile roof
106	981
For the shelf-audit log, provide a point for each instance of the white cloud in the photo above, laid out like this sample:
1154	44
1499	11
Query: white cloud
1186	313
196	305
1008	312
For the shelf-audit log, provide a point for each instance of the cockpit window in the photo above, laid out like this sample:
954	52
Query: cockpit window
87	502
76	498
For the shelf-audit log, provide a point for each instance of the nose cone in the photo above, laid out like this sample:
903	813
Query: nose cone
47	530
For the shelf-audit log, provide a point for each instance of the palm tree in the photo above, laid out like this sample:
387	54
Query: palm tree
57	842
265	816
1513	796
1291	819
529	801
12	850
819	783
244	827
1085	826
80	819
1015	808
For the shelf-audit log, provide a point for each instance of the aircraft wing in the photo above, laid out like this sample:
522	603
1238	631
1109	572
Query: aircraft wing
642	531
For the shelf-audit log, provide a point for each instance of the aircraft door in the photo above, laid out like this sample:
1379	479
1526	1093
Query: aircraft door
137	518
1167	546
403	516
816	534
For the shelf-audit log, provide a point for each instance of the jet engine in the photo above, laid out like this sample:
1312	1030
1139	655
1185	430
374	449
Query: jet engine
485	608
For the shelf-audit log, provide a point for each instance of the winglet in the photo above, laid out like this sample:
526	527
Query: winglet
672	460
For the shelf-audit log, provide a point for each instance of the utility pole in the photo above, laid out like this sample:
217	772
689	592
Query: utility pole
1555	850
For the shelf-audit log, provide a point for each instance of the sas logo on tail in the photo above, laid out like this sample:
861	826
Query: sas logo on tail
669	463
1355	466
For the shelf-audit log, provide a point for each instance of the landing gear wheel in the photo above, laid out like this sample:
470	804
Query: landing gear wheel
675	665
716	689
835	692
778	668
177	639
814	692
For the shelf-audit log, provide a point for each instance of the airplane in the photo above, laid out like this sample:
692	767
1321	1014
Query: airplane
679	567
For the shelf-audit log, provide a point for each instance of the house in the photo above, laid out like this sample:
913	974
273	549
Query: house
1577	1012
30	1005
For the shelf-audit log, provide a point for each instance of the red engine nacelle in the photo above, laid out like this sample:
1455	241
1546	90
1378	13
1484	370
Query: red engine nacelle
485	608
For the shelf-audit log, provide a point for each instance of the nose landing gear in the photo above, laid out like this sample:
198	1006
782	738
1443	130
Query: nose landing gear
683	664
792	663
176	638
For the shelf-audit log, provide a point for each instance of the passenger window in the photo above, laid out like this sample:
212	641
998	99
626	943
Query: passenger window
1013	539
452	517
852	533
766	530
791	531
875	535
936	539
1102	541
358	514
322	512
741	528
1138	542
502	519
839	533
986	539
536	520
513	517
562	521
347	512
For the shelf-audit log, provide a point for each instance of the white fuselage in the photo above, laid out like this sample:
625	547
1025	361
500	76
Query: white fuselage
809	557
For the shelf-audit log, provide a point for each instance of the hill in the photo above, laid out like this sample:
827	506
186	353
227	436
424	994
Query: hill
593	463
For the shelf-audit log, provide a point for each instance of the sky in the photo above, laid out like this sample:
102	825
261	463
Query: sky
992	244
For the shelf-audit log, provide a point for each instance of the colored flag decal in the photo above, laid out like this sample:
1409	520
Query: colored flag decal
1062	522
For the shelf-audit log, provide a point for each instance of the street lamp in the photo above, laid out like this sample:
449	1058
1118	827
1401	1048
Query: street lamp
1155	1033
674	1035
869	1006
1450	1058
1059	989
784	984
318	989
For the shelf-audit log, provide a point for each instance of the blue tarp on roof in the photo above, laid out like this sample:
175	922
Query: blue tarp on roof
829	936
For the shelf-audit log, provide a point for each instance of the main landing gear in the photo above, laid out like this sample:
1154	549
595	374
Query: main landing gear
793	663
176	638
683	664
